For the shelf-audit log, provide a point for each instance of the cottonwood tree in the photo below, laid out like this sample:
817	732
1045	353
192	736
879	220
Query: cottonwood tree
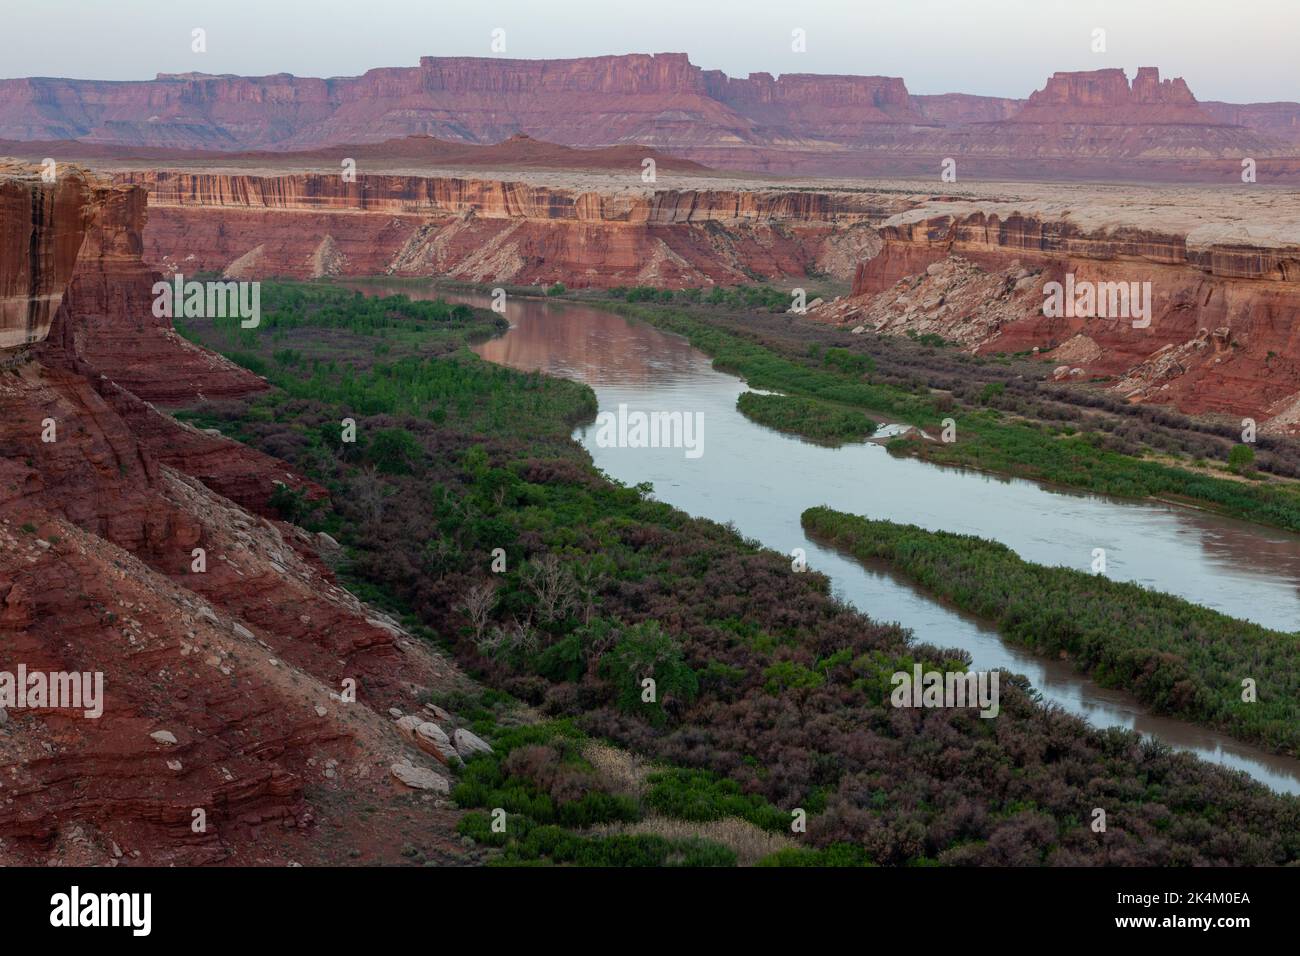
477	606
552	585
368	493
518	637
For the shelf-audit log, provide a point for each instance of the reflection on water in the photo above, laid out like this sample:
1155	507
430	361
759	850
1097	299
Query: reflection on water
762	480
596	347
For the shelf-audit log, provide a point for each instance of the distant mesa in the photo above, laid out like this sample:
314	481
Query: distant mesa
1105	97
1092	124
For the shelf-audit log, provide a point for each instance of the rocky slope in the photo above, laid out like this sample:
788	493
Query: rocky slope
222	684
1092	124
311	224
1222	310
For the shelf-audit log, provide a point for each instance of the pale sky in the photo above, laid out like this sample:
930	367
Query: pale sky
1236	50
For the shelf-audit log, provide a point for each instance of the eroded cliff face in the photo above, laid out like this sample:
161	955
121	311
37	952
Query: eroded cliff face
44	224
221	683
308	225
1223	316
108	319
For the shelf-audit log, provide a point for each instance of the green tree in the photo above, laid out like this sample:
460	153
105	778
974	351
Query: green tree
394	451
646	651
1241	459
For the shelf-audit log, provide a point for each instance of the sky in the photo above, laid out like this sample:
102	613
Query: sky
1235	50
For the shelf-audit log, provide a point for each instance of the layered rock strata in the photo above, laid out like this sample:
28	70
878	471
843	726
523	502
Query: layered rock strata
225	730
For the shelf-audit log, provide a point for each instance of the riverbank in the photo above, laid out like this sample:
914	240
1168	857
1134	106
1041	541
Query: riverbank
995	430
762	678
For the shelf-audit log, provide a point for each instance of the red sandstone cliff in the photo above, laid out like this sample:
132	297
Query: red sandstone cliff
1278	120
109	321
1222	319
952	109
38	260
221	687
518	152
307	225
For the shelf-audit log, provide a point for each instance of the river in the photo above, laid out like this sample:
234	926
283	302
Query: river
761	480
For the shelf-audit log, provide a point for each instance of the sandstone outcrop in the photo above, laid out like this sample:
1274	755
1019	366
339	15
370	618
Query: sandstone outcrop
468	744
110	317
223	685
1106	98
430	738
420	778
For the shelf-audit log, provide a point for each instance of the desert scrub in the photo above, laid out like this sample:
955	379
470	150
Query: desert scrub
836	855
528	843
539	772
702	796
547	789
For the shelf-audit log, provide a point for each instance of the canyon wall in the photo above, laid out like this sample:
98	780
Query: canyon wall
221	681
1222	336
307	225
1093	124
109	321
43	227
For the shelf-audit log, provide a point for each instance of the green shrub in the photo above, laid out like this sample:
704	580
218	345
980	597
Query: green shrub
837	855
647	651
701	796
1241	459
394	451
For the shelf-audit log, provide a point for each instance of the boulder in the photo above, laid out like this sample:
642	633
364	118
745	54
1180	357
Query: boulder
438	712
468	744
431	738
407	725
421	778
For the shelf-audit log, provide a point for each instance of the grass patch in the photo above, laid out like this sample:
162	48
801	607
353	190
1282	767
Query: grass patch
809	418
